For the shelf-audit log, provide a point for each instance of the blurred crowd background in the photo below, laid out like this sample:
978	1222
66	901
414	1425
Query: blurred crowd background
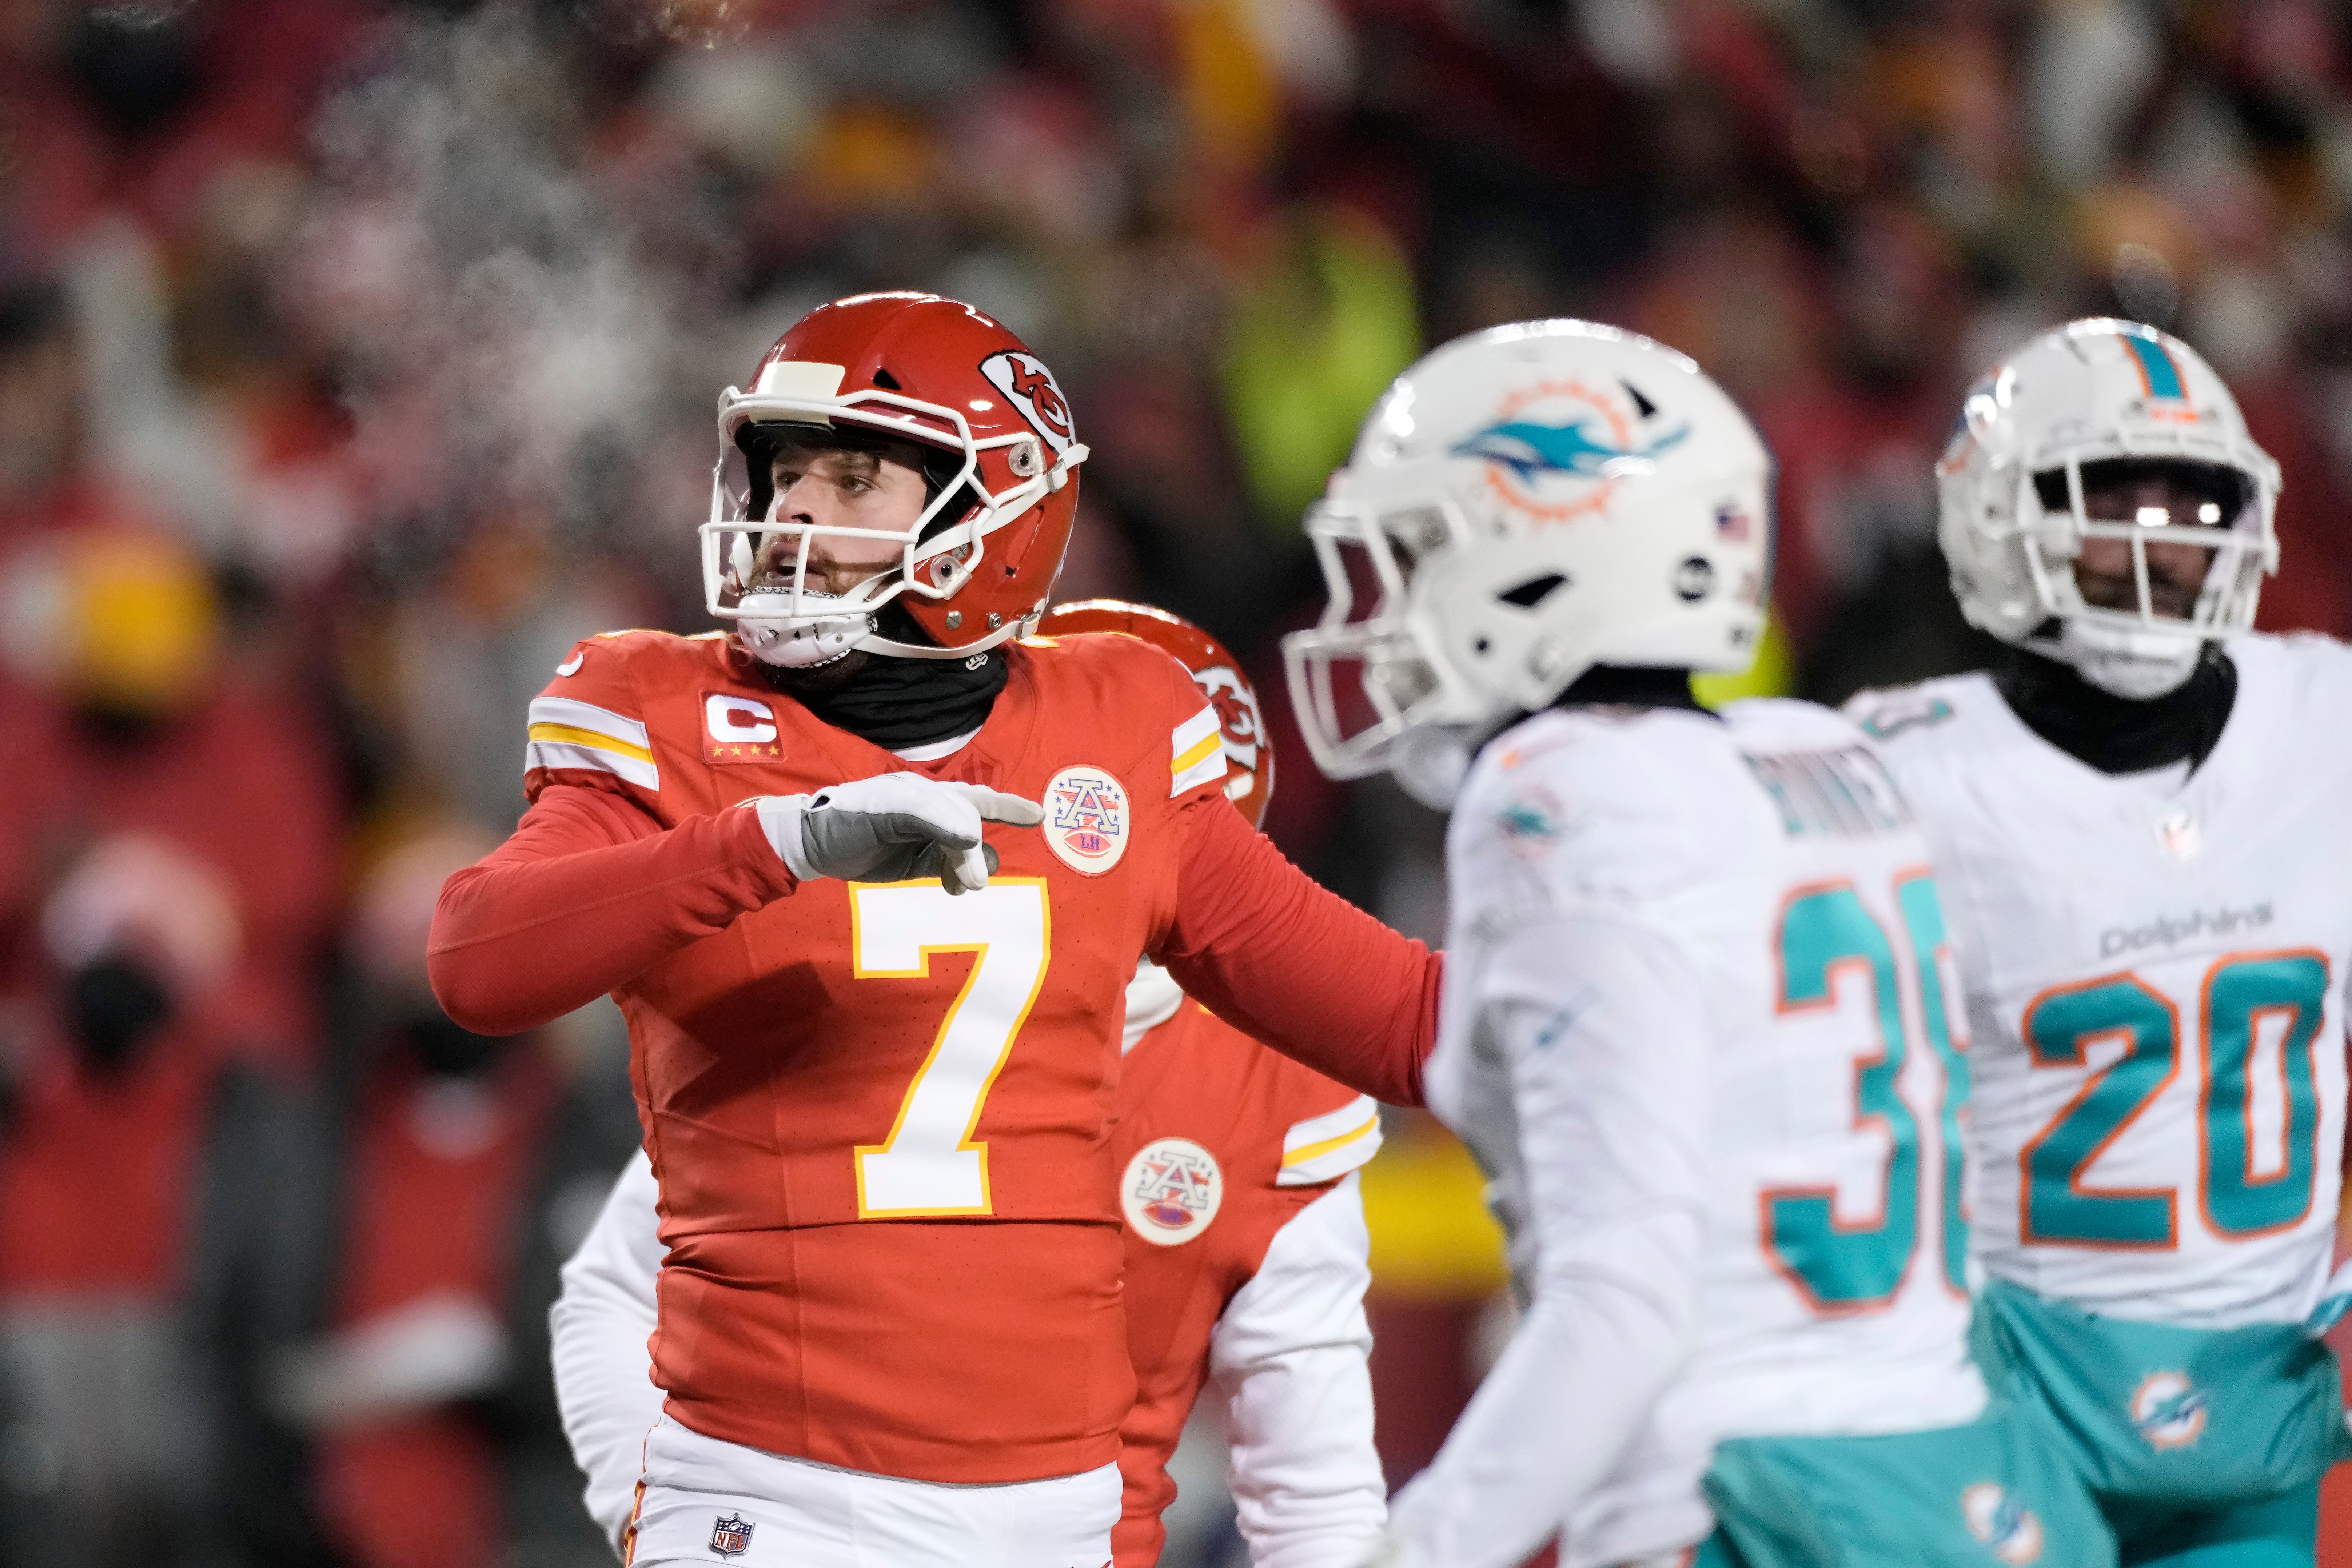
355	357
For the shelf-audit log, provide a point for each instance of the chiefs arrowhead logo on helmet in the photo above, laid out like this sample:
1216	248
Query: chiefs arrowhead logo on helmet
1024	379
1249	750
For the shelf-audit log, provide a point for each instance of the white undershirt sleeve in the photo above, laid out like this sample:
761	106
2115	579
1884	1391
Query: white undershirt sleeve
1603	1028
1288	1358
599	1325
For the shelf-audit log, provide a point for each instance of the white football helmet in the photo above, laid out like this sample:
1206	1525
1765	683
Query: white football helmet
1522	504
2013	519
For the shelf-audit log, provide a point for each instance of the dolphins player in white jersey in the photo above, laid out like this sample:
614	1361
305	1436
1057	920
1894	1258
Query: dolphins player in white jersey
1694	1021
2140	818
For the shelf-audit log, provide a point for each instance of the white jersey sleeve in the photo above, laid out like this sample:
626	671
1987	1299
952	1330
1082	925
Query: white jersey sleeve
599	1326
1598	1024
1287	1358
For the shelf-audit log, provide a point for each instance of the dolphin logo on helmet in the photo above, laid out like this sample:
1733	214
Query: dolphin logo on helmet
1530	450
1456	596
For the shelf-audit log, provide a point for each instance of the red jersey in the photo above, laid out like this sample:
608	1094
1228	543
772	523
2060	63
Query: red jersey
880	1115
1222	1143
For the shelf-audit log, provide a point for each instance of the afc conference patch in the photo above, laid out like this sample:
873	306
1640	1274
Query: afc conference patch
1087	819
1171	1191
731	1536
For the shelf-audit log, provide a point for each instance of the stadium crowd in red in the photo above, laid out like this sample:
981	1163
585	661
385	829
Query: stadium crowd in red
355	358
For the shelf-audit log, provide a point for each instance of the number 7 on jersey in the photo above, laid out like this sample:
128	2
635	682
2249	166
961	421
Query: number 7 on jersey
930	1164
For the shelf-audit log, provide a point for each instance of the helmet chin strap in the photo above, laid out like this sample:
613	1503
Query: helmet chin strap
2137	666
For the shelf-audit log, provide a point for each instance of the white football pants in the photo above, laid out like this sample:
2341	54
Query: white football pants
710	1502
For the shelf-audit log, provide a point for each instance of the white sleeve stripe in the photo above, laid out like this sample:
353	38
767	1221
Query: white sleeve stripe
562	755
1192	732
1208	770
1324	1147
581	715
1197	755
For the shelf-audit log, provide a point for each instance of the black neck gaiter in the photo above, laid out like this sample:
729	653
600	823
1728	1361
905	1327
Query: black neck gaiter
894	703
1630	687
1622	686
901	702
2116	735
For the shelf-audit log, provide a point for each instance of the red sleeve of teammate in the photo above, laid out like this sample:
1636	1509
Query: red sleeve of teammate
1281	958
589	894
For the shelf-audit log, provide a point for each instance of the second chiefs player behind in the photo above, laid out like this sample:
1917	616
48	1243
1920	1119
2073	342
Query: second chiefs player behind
869	879
1247	1253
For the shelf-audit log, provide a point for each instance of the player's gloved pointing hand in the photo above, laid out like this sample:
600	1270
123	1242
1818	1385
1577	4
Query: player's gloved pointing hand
899	828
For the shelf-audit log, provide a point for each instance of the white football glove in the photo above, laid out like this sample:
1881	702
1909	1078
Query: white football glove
895	827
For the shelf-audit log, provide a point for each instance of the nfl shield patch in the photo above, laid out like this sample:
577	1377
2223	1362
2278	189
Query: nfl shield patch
2178	834
1087	819
732	1536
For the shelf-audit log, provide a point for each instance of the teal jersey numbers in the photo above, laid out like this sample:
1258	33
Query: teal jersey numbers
2059	1027
2242	994
1827	937
2238	995
1923	921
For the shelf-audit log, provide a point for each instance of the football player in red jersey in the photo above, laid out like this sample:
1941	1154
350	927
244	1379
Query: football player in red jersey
1244	1241
874	987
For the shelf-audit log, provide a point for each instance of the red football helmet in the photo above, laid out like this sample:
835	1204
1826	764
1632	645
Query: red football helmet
981	560
1249	750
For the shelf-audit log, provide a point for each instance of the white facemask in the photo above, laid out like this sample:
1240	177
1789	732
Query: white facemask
2135	665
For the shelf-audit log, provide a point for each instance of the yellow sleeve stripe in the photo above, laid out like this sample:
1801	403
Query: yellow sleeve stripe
1200	754
587	716
1202	726
1315	1151
1197	755
1325	1148
589	738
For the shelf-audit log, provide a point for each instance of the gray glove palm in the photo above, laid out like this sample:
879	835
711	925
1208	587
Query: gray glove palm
895	827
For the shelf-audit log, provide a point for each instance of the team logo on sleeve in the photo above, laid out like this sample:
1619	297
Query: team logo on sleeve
1087	819
731	1536
1171	1191
1532	823
2005	1525
737	729
1890	719
2168	1410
